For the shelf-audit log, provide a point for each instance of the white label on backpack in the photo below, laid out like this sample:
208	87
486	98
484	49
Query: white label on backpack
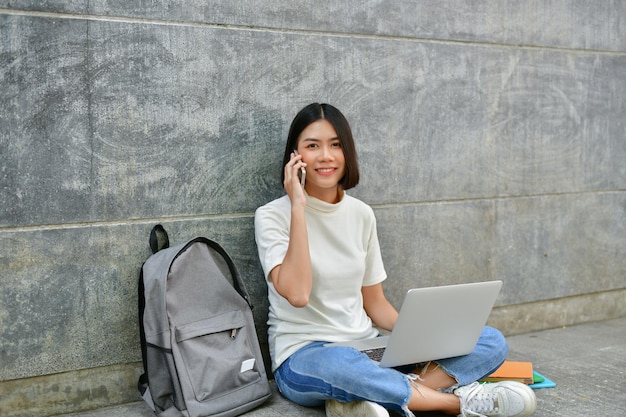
247	365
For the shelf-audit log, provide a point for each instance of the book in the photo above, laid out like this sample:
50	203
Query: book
512	371
541	381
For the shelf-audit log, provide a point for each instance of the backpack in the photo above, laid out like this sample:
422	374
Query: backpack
200	352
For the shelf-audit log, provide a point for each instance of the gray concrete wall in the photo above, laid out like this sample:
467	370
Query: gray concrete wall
491	136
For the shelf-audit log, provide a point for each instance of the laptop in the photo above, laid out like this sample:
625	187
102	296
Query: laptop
433	323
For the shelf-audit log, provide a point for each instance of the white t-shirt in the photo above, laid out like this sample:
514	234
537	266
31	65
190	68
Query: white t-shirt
345	256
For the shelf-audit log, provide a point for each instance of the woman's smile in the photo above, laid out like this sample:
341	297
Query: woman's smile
326	171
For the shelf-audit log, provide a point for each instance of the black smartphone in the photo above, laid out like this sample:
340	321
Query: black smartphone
302	173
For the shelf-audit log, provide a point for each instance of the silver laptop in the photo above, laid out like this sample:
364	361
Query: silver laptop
433	323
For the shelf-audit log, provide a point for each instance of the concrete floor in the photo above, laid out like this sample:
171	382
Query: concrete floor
587	362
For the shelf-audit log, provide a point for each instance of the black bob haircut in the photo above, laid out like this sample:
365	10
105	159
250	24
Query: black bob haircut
312	113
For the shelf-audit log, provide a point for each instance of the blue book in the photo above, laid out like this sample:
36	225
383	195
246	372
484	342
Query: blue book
541	381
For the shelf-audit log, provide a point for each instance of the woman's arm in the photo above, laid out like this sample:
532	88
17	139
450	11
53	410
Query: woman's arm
378	308
293	278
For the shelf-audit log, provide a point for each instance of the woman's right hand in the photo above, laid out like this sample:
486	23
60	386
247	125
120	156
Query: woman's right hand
292	180
293	278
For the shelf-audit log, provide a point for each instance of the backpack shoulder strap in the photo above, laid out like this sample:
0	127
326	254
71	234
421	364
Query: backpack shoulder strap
142	384
158	240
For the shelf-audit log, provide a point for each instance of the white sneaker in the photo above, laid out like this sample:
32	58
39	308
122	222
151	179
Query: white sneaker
354	409
501	399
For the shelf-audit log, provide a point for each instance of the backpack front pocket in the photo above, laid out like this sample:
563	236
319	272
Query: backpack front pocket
216	354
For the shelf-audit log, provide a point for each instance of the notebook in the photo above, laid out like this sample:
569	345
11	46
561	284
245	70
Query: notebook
433	323
512	371
541	381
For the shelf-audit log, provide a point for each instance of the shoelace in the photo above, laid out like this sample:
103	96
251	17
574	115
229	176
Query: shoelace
477	403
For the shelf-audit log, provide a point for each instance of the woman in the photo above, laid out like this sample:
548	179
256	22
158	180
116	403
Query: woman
319	250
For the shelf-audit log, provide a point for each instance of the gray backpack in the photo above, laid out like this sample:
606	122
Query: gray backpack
199	346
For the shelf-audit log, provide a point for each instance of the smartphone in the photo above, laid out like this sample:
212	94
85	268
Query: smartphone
302	173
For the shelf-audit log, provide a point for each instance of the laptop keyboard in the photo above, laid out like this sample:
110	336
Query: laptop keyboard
375	354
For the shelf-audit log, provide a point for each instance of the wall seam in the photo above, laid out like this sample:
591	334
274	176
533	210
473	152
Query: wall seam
269	29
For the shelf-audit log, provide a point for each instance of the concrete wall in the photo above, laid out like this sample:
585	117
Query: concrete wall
491	136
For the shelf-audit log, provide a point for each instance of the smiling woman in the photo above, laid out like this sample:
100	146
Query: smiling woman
321	257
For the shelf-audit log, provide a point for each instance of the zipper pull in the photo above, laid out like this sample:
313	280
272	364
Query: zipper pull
233	333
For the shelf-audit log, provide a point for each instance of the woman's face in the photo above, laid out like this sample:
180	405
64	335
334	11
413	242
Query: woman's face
321	150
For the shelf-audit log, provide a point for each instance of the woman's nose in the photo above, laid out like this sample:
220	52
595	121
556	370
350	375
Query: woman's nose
326	152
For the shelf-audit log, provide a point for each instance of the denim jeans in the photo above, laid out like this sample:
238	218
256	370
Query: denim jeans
316	373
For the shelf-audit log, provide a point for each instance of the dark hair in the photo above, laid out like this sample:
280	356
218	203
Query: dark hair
312	113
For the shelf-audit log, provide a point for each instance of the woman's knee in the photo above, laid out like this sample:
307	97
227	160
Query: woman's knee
494	341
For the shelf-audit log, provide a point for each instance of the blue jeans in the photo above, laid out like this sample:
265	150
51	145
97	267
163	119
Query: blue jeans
316	373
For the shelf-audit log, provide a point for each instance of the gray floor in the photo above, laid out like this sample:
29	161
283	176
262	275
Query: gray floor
587	362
